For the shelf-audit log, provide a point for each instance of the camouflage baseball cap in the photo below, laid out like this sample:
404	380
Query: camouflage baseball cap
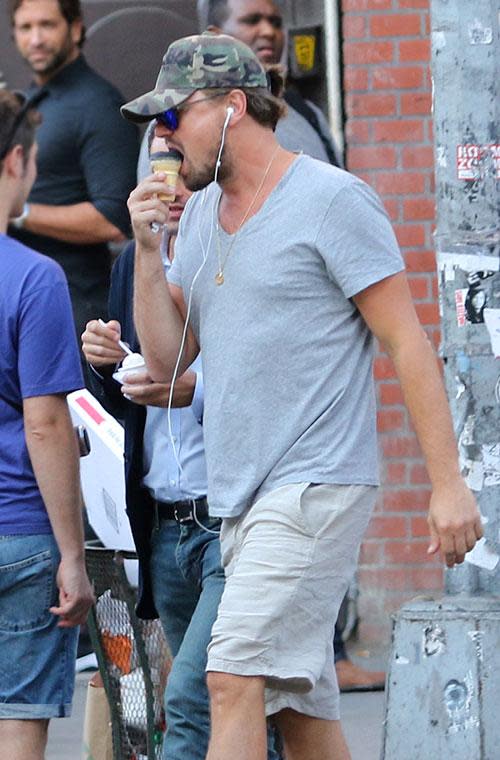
197	63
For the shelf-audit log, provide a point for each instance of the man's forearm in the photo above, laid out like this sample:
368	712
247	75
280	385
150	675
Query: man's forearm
158	320
80	223
426	400
52	447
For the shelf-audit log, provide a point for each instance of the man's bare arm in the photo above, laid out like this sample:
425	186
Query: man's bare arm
454	520
52	447
159	309
78	223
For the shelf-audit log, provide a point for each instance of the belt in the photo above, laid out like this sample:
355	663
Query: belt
181	511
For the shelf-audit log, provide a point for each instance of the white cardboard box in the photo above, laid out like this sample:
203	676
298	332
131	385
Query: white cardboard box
102	472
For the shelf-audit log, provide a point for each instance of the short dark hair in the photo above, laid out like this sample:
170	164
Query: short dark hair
70	10
24	134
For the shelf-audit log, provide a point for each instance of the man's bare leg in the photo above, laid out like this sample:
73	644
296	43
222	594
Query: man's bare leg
23	739
238	720
305	737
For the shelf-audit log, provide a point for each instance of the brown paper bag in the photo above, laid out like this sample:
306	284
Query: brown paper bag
97	736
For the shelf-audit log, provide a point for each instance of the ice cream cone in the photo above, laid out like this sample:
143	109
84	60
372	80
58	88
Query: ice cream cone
167	162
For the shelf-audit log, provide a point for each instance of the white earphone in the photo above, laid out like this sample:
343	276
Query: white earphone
229	113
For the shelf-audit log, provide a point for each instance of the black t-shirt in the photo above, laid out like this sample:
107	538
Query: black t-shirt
86	152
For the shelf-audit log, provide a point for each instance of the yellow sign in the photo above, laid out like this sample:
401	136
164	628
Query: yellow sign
305	48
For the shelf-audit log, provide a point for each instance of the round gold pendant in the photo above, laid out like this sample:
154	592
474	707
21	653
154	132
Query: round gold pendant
219	278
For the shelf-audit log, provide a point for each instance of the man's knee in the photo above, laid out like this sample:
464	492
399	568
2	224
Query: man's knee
226	688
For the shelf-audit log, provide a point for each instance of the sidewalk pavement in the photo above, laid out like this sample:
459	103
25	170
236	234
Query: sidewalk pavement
362	720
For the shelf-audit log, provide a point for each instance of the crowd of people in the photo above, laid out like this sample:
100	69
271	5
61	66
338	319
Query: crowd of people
250	438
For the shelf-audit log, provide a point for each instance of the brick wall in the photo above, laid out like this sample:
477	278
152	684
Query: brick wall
389	144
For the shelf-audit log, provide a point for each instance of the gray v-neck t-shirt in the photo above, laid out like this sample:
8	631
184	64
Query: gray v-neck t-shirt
287	357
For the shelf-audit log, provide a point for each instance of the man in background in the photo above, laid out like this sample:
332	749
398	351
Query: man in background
44	589
87	154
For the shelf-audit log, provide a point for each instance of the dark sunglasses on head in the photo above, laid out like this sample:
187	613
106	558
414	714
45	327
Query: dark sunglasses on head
27	104
170	118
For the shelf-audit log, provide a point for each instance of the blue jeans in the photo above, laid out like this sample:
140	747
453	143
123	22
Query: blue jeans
188	580
37	659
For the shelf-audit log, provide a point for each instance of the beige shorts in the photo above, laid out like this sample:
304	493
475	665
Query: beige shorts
288	562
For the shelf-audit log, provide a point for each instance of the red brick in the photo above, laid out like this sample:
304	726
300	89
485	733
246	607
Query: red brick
413	3
383	157
417	157
405	500
355	79
419	287
387	527
428	313
395	25
416	103
392	578
406	552
371	105
420	261
388	420
365	5
383	368
393	208
371	553
426	578
390	393
397	78
399	447
398	131
400	183
395	473
353	27
419	527
358	131
410	234
414	50
368	52
420	209
418	474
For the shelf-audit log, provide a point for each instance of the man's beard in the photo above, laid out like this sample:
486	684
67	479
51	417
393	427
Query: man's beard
57	61
198	179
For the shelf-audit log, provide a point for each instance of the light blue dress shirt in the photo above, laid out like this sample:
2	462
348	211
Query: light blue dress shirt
163	453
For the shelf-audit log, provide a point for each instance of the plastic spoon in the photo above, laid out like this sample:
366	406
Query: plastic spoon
122	345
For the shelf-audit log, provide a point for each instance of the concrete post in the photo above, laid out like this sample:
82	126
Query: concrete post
444	674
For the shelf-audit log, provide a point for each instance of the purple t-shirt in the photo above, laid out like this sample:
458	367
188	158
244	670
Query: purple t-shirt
38	357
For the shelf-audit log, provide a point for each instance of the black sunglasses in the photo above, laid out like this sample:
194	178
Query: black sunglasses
170	118
27	104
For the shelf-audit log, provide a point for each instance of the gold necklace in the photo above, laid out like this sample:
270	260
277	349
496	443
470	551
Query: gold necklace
219	277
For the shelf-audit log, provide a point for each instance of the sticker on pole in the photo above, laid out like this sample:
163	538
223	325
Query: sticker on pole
476	161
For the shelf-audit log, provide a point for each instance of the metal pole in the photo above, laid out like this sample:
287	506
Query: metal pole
444	673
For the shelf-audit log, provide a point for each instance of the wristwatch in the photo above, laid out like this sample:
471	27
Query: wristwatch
18	221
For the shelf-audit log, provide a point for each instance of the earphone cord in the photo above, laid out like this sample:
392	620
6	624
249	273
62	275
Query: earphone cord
188	313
